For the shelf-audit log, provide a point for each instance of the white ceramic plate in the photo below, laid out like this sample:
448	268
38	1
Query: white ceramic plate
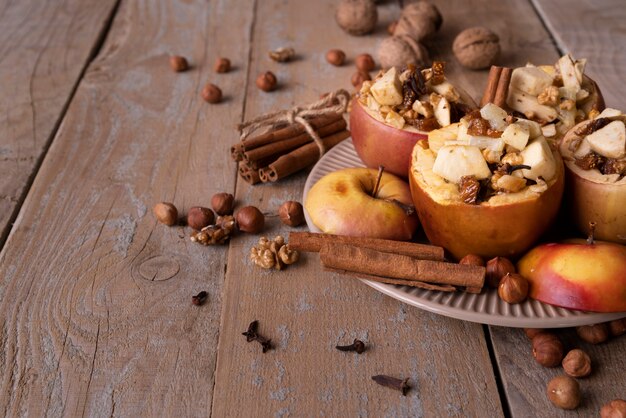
485	308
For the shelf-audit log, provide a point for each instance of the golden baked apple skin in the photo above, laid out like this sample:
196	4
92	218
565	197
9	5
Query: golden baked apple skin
577	275
378	144
341	203
594	201
500	230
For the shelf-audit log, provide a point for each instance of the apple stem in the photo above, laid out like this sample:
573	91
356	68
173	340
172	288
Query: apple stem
592	229
381	169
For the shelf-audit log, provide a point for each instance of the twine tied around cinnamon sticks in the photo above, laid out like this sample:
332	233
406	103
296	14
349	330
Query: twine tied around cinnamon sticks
292	139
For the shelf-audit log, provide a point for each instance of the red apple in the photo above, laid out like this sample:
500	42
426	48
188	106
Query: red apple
577	275
341	203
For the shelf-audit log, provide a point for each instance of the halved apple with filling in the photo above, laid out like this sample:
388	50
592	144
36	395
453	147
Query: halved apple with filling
397	109
556	96
594	152
489	185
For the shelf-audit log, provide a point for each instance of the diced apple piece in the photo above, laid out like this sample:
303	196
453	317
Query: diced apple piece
462	135
581	95
511	183
569	73
446	90
549	130
531	80
395	120
372	104
583	149
539	157
423	108
491	156
609	113
516	135
534	129
495	115
438	137
549	69
456	161
529	106
486	142
442	112
609	141
387	90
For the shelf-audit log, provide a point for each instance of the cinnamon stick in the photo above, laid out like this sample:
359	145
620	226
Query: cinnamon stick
312	242
503	87
288	144
250	176
302	157
497	86
401	282
396	266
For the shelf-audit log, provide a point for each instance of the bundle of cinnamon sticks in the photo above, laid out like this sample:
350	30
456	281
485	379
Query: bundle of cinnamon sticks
278	153
497	86
392	262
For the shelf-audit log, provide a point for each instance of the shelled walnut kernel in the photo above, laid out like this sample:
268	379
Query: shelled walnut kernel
274	253
219	233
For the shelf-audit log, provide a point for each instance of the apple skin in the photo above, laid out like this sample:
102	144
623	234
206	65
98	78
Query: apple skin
506	230
378	144
593	201
339	203
577	275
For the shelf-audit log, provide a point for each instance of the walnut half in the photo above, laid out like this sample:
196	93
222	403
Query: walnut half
274	253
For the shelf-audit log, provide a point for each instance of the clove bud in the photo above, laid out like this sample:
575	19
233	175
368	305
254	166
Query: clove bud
393	383
200	298
357	345
252	335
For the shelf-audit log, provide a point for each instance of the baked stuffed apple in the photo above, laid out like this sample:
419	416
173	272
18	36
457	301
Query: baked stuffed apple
594	153
399	108
489	185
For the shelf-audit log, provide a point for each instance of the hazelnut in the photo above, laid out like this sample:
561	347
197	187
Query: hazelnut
476	48
357	17
547	349
365	63
211	93
472	260
399	51
531	332
222	65
166	213
617	327
291	213
419	20
614	409
564	392
513	288
336	57
577	363
594	334
222	203
250	219
179	63
497	268
358	78
198	217
266	81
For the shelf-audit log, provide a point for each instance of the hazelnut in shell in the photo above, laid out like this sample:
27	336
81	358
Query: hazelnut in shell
166	213
577	363
356	17
419	20
513	288
211	93
358	78
336	57
617	327
222	203
266	81
365	63
547	349
497	268
476	48
291	213
531	332
222	65
250	219
178	63
398	51
564	392
614	409
593	334
473	260
199	217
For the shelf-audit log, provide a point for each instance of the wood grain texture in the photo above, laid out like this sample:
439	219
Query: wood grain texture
307	311
95	296
44	45
596	31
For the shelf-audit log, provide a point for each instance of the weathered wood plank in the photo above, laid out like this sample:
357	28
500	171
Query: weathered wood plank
95	296
592	30
45	45
307	311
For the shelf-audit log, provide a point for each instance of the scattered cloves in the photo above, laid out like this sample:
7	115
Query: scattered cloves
357	345
200	298
393	383
251	335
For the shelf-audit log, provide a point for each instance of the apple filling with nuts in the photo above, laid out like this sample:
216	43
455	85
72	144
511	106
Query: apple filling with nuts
488	158
557	96
415	100
597	149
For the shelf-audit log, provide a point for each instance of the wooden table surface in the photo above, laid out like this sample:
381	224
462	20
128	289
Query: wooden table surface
95	309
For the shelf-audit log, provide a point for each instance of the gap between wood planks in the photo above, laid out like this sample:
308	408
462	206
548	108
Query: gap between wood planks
549	29
95	50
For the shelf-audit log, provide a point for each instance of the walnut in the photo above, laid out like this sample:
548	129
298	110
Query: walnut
469	188
274	253
512	158
282	54
219	233
399	51
418	20
357	17
567	104
476	48
549	96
